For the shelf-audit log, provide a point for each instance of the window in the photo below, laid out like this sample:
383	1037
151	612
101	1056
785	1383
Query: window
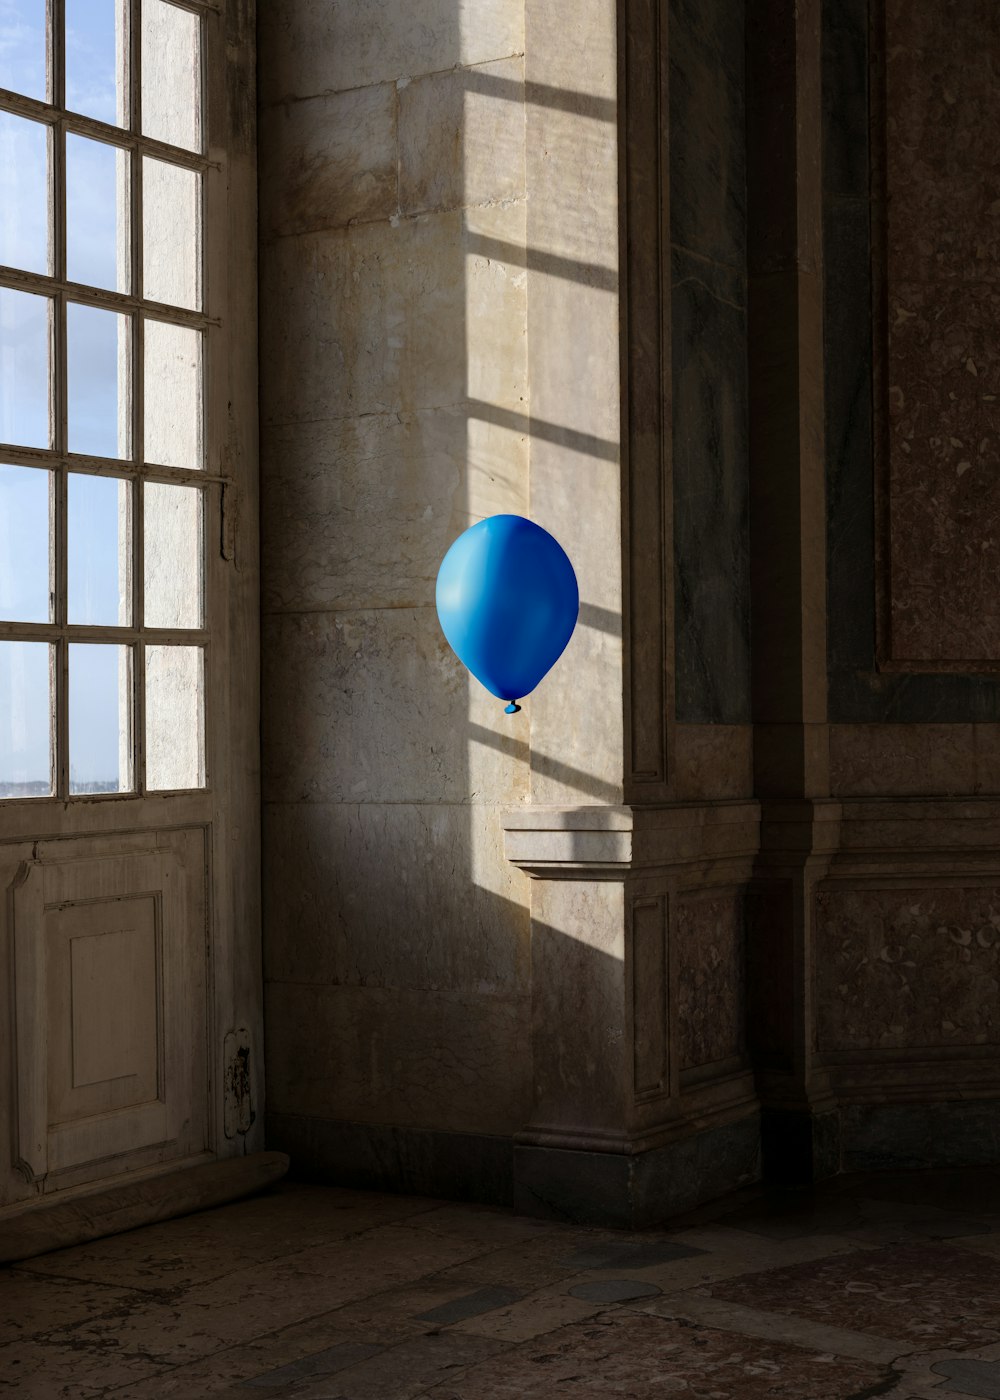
104	643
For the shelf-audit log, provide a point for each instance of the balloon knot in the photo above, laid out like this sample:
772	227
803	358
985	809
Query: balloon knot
511	709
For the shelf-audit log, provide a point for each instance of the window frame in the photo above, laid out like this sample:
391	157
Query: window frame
212	477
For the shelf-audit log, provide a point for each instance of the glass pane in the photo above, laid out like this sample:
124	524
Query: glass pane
22	47
171	234
99	375
100	718
25	239
97	214
172	525
25	418
171	75
100	551
25	545
172	409
95	59
175	718
25	719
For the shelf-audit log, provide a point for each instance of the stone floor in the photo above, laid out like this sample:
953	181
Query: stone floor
884	1285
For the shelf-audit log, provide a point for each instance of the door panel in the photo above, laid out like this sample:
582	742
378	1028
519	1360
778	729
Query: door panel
129	653
110	996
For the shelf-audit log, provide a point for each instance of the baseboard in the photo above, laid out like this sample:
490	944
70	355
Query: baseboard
410	1161
631	1192
914	1136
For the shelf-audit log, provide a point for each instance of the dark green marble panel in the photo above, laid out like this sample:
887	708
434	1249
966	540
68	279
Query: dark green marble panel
711	523
707	147
709	376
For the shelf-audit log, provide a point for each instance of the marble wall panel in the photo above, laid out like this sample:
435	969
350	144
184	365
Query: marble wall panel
902	759
858	692
713	761
462	138
407	1056
907	968
375	707
942	380
383	319
850	536
709	359
846	92
944	398
393	895
942	107
711	499
358	512
329	161
709	942
310	47
648	922
707	154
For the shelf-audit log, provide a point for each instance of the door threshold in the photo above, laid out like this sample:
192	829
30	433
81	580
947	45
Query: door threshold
58	1222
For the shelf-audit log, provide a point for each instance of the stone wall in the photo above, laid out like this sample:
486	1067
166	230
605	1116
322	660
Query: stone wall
617	264
394	409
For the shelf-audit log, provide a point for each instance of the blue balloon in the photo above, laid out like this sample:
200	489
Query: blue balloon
508	601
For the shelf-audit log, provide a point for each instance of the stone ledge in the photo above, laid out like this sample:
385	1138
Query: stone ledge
607	843
59	1222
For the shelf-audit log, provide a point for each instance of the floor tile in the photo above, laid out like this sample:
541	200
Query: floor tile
405	1370
41	1370
927	1295
967	1377
252	1301
628	1354
310	1293
494	1227
225	1372
626	1254
321	1363
613	1290
197	1248
484	1300
702	1308
538	1313
30	1304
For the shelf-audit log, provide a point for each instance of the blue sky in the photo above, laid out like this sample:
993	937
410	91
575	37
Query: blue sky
93	337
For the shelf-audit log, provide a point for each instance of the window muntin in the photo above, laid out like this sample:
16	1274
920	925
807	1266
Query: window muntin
102	400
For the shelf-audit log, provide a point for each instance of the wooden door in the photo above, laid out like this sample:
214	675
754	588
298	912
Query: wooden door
129	803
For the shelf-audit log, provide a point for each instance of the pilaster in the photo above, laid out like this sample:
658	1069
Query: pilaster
643	1097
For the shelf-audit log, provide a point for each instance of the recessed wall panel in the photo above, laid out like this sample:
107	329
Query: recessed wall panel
938	273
